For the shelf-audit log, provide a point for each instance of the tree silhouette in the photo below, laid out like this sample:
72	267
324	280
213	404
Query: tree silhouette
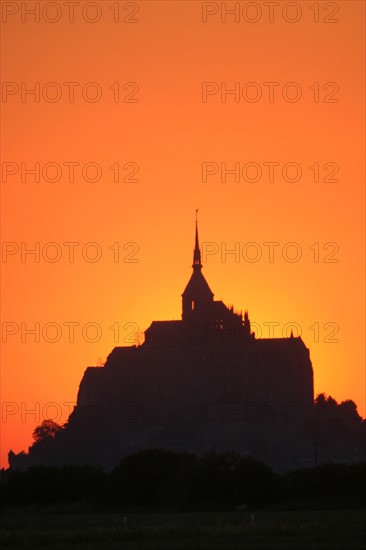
46	430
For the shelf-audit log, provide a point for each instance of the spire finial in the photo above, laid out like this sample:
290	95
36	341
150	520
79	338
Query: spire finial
197	253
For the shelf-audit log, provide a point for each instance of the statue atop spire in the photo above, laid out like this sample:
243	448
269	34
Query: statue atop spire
196	253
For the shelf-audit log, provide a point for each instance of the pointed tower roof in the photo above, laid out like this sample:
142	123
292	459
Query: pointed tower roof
197	285
196	251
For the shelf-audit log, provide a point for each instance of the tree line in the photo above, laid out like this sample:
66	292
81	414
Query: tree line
157	479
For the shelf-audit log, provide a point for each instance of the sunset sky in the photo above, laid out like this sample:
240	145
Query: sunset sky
148	97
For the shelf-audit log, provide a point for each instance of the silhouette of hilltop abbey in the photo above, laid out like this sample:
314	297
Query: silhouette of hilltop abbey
202	383
203	319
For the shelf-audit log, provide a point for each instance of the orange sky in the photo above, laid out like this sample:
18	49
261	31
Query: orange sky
169	52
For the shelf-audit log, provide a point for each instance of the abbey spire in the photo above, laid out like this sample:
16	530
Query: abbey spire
197	295
197	252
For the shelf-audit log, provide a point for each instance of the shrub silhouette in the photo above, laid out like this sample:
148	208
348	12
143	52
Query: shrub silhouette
255	483
44	485
151	477
48	429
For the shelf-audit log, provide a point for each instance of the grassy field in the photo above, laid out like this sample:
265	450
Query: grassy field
293	530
